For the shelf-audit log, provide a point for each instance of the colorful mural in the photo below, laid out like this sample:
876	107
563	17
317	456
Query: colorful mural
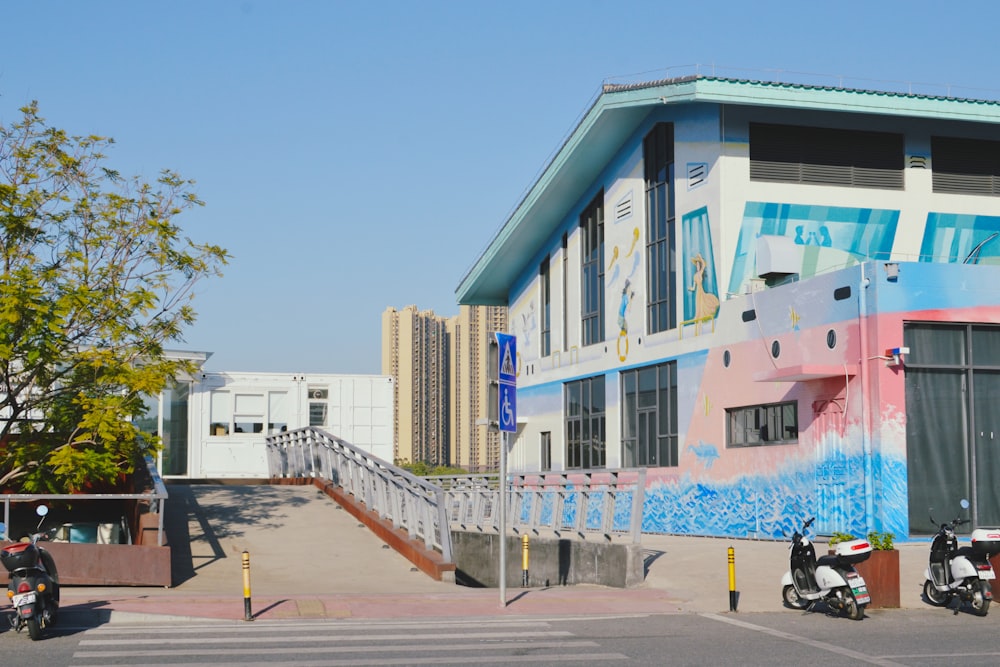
830	237
950	237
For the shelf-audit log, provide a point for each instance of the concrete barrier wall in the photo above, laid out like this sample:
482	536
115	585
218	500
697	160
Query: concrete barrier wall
551	561
107	564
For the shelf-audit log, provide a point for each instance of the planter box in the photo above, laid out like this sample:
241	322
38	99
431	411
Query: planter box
881	573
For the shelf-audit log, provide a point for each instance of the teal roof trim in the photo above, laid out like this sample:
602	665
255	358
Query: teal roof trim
617	113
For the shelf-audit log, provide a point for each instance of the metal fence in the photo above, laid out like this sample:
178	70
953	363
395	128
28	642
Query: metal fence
156	497
584	504
394	494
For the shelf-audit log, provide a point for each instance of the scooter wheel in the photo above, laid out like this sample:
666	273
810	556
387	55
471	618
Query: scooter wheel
853	610
934	596
34	628
980	603
791	598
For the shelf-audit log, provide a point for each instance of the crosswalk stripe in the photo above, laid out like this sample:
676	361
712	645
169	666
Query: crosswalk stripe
369	636
397	648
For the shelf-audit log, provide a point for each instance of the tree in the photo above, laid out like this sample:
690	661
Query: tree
96	279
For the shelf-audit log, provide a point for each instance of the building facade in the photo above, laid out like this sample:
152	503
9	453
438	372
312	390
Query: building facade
415	354
782	300
475	447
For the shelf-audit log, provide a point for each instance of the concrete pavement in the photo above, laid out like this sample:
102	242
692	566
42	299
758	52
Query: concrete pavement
309	559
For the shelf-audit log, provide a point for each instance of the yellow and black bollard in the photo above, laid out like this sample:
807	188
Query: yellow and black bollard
732	579
247	614
524	561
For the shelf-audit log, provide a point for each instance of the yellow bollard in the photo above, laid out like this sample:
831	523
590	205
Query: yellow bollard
732	579
247	615
524	561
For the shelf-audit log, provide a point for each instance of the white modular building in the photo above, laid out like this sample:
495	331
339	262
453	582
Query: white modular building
214	425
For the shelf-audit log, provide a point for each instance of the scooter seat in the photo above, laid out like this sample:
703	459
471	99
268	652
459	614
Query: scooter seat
829	561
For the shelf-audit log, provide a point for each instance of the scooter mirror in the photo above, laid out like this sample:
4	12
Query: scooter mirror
41	510
964	503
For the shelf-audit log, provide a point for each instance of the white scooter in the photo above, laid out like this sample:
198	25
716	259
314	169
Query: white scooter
964	573
831	579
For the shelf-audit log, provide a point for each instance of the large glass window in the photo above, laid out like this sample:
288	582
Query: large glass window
661	249
585	423
756	425
649	416
592	282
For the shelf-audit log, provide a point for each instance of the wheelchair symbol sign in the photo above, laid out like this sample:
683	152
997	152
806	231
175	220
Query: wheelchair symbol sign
508	407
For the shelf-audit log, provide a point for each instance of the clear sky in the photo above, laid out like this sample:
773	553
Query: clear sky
358	155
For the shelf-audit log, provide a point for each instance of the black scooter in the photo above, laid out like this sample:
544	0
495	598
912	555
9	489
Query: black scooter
34	583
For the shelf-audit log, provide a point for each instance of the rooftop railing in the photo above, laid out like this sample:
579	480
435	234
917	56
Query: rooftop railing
395	495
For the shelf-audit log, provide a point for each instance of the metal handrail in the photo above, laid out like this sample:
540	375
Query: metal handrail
585	504
156	498
394	494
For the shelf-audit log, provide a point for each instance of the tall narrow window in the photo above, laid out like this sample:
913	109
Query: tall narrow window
592	281
546	451
546	288
585	423
661	249
565	283
649	416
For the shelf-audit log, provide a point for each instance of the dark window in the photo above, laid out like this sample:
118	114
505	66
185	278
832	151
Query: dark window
585	423
966	166
661	251
546	453
756	425
546	287
592	228
826	156
649	416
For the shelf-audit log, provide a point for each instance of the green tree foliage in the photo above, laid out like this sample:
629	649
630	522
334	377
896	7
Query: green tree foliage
96	279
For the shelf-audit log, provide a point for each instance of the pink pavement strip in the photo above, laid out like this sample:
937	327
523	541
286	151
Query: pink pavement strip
462	602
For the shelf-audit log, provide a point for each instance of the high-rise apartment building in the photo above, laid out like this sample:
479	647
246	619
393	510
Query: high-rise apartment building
415	353
474	446
440	369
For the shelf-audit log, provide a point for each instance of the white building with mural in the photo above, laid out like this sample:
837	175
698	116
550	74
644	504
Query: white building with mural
214	425
781	299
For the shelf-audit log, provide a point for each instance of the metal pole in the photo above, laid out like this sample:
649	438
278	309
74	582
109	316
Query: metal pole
247	614
503	518
524	561
732	579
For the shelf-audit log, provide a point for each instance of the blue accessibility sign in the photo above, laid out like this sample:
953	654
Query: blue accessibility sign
507	376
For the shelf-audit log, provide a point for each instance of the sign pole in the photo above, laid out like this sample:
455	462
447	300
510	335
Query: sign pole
506	410
503	519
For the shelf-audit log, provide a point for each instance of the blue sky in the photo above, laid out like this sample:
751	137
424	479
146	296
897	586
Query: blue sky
359	155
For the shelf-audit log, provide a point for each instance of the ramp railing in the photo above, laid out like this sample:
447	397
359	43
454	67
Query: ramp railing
585	504
394	494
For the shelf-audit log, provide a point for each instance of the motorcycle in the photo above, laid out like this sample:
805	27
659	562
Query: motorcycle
961	572
34	583
831	579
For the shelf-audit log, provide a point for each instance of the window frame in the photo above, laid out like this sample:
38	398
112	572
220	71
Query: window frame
545	286
642	448
764	416
585	427
661	235
592	271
